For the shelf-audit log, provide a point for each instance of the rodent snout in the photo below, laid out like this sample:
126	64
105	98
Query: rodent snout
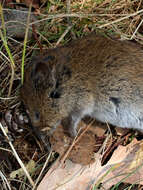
35	119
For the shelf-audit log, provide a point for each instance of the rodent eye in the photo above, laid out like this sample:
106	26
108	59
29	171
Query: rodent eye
54	94
50	84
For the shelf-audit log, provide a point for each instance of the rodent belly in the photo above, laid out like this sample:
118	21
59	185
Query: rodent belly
122	117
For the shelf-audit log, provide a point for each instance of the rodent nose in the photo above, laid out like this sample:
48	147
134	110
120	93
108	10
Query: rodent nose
37	115
36	118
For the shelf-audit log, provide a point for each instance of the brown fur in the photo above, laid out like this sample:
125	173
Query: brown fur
95	76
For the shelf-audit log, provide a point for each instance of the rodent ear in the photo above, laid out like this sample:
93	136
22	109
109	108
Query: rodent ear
41	71
63	73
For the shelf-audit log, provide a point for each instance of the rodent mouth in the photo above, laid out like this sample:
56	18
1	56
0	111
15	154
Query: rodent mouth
35	118
35	122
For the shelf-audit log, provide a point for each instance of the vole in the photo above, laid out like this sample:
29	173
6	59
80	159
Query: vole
92	76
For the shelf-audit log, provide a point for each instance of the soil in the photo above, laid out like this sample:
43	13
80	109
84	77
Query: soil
85	145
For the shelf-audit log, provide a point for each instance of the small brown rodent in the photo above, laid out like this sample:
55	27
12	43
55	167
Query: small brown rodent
95	75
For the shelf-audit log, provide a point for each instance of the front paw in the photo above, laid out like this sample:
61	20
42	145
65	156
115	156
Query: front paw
69	127
44	139
71	132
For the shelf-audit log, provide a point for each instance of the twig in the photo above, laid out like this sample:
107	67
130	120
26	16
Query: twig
1	98
24	46
17	157
12	64
63	35
136	30
5	56
68	2
4	179
45	164
68	7
120	19
36	38
5	149
82	4
80	15
76	139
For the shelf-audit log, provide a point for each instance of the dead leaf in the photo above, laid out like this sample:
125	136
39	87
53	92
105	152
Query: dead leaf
30	166
126	160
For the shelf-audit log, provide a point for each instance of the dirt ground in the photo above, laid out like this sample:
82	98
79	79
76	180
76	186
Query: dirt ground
51	27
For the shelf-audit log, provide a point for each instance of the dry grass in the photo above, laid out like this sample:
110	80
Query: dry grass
122	18
59	22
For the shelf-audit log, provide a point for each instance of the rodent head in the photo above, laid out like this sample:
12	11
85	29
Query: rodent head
42	88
